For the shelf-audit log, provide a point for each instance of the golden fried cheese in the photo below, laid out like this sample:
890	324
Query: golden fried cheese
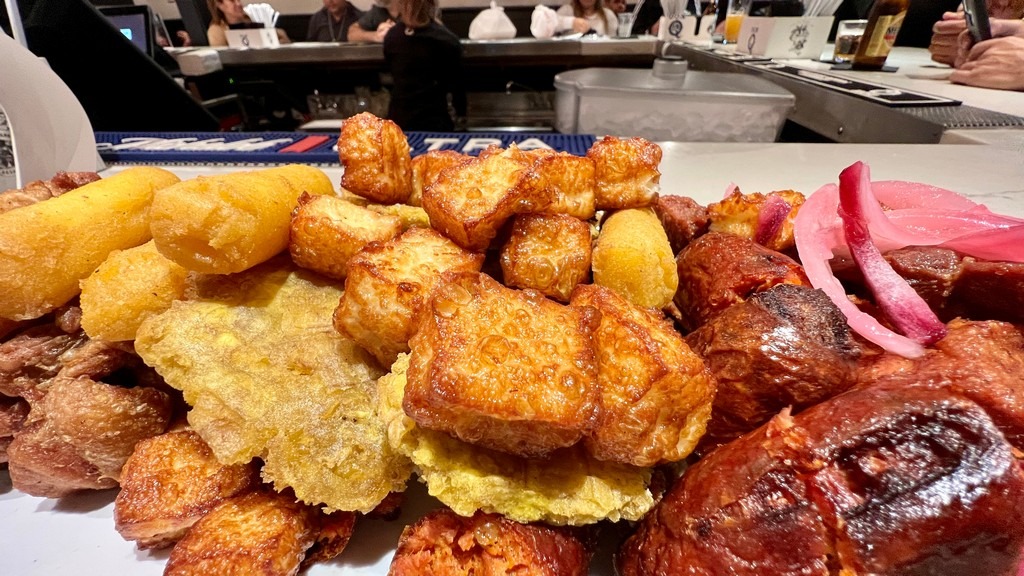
547	252
427	166
568	488
169	482
743	215
656	393
388	286
503	368
626	171
267	376
375	155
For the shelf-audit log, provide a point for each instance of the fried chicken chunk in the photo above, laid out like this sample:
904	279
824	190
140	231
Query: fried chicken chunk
550	253
656	393
169	482
443	543
80	435
262	533
326	232
388	286
375	155
427	166
503	368
626	171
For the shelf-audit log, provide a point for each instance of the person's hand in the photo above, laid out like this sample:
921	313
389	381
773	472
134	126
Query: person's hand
580	25
382	30
996	63
945	37
186	40
999	27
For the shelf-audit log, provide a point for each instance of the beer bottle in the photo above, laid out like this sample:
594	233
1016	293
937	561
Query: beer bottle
883	25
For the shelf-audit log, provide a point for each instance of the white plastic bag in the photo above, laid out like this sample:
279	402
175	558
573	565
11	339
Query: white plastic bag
543	22
492	24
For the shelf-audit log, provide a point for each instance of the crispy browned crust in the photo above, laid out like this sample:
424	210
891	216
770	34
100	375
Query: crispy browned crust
261	533
740	213
333	533
13	412
427	166
656	393
443	543
626	172
326	232
682	218
567	179
375	155
550	253
169	482
503	368
388	285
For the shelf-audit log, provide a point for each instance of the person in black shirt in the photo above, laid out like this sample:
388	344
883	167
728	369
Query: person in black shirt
331	23
425	60
375	22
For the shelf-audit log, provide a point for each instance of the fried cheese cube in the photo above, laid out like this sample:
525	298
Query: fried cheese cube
263	533
633	257
442	543
568	179
427	166
469	202
503	368
408	216
626	171
547	252
171	481
327	231
375	155
656	393
764	218
388	285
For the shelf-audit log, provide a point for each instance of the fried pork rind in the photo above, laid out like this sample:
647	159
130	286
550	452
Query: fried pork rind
656	393
633	257
268	376
169	482
81	433
569	488
262	533
502	368
231	222
739	214
626	171
388	286
47	247
469	202
550	253
128	287
427	166
327	231
443	543
375	155
13	412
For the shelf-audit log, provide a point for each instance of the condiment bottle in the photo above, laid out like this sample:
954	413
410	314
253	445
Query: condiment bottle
883	25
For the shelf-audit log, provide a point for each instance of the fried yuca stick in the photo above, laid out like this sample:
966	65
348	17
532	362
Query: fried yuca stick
231	222
47	247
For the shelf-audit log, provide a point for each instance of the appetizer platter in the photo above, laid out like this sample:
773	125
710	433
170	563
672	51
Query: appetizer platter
729	359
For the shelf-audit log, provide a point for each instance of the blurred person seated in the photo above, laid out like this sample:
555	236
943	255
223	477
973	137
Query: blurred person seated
945	41
374	24
583	16
425	60
332	22
997	63
617	6
227	13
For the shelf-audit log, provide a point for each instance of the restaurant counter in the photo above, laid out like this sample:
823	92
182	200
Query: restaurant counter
828	102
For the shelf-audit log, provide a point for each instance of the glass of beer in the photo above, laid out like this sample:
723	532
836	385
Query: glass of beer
734	15
848	35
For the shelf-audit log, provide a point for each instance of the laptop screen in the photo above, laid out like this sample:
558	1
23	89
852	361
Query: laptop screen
134	23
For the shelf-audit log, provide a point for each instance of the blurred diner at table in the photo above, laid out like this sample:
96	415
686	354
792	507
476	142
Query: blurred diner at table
374	24
332	22
225	14
588	15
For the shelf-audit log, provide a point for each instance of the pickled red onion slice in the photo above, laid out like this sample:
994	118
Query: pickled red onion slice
771	217
859	210
818	232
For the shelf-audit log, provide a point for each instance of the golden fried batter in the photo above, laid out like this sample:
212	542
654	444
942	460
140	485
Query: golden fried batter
503	368
633	257
388	286
547	252
375	155
739	214
169	482
656	393
626	171
427	166
569	487
268	376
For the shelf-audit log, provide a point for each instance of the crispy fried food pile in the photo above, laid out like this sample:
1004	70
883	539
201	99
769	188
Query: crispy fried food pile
267	376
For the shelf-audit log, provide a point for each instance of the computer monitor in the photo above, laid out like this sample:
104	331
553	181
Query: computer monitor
135	22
